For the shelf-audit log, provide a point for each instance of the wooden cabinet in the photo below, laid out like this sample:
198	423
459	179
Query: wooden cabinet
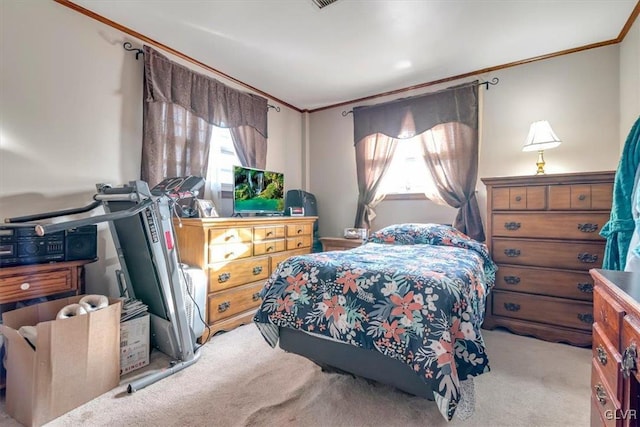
339	243
238	255
543	232
25	282
615	376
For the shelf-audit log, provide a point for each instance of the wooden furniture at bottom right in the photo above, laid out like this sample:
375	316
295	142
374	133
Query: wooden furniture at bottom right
615	376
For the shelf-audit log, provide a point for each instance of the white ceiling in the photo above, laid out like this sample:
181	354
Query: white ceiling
311	58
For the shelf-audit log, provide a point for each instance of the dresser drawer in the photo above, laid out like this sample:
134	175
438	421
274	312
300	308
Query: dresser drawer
608	315
269	246
520	198
554	311
225	275
233	301
230	251
230	235
557	283
298	229
581	196
22	287
266	233
298	242
608	359
630	343
580	226
275	260
547	253
603	398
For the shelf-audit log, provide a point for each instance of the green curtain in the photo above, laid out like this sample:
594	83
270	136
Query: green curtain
620	227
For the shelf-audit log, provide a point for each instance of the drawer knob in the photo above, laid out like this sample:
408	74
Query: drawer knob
512	280
588	227
299	244
628	360
518	198
299	231
601	395
582	197
587	258
601	355
269	233
270	248
257	269
224	306
511	306
224	277
512	226
585	317
256	296
587	288
229	254
25	286
512	252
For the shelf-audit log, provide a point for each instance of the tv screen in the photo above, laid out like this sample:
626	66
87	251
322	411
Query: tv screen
257	191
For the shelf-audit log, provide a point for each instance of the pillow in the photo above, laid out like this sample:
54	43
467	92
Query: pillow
411	234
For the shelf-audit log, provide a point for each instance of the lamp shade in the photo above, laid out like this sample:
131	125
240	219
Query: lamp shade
541	137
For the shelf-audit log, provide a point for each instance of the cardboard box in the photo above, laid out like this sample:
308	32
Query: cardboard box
75	359
134	344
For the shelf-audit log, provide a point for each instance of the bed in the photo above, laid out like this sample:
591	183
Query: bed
404	309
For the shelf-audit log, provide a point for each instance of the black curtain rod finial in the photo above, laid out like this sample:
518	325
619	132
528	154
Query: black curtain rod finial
129	47
275	107
494	81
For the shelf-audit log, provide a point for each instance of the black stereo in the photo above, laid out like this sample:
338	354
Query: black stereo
21	245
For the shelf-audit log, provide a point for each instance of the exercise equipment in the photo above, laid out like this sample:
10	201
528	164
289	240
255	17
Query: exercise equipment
140	221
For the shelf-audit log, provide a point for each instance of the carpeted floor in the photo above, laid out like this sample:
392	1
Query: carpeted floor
241	381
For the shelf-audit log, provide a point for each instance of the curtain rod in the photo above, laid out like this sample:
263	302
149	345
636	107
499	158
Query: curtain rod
494	81
129	47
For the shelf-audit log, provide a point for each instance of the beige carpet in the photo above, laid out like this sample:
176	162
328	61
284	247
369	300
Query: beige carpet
241	381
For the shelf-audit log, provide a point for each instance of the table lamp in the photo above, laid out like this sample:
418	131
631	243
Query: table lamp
541	137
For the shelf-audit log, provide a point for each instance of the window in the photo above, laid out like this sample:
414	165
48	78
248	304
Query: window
222	158
407	173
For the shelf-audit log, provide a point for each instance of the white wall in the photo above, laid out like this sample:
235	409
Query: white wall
71	117
577	93
629	80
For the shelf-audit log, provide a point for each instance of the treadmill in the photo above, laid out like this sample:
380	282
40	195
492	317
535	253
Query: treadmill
140	221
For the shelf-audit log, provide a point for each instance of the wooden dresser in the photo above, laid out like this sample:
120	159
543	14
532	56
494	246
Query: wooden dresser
238	255
543	232
615	379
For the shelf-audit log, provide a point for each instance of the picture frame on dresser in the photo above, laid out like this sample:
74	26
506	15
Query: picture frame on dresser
206	208
543	233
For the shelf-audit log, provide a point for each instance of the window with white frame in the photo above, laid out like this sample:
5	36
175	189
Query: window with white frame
407	173
222	158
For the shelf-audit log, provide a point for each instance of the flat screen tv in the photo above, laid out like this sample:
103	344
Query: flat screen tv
257	191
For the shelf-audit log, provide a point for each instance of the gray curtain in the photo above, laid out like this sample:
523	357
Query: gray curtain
373	157
455	167
179	107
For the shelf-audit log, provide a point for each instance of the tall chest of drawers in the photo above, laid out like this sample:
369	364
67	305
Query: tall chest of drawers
543	233
238	255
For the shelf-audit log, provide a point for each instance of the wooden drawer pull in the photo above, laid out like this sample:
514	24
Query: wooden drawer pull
601	355
628	360
257	270
512	280
518	198
512	252
224	277
256	296
582	197
511	306
585	317
224	306
587	288
588	227
587	258
512	226
601	395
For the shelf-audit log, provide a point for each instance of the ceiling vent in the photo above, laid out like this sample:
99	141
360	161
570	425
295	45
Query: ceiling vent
323	3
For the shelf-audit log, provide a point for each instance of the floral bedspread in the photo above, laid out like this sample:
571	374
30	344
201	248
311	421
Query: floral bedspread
413	292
